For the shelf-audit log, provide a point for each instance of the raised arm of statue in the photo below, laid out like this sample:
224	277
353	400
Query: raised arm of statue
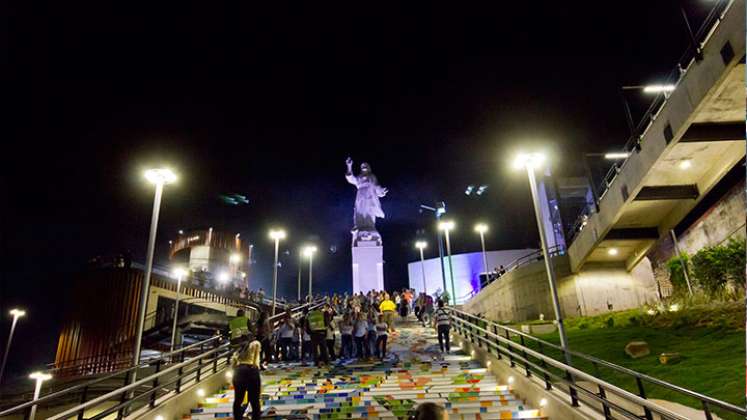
349	174
381	191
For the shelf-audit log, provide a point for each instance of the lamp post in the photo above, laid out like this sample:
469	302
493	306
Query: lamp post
159	177
179	274
421	245
481	228
309	251
446	227
300	263
275	235
530	162
15	313
39	377
439	211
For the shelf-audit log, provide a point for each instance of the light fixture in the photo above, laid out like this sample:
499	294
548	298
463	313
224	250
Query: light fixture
229	374
685	164
178	272
446	225
200	392
651	312
510	380
616	155
421	244
17	313
159	417
674	307
235	258
612	251
524	160
40	376
160	176
658	88
543	402
481	228
309	250
223	277
277	234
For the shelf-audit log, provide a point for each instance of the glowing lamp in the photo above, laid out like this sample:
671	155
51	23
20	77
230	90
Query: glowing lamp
160	176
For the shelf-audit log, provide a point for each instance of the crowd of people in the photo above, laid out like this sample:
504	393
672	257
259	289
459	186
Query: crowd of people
363	323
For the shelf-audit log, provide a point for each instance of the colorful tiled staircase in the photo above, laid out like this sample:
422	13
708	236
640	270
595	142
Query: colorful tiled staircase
389	389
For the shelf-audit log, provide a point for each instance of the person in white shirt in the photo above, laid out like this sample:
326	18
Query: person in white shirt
382	333
346	336
330	337
285	336
360	333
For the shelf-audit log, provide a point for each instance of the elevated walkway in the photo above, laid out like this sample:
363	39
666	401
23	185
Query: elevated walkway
688	140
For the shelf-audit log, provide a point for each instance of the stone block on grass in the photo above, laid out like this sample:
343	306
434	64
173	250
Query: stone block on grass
637	349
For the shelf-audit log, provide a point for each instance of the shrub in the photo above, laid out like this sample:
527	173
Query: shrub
610	322
714	266
583	326
676	276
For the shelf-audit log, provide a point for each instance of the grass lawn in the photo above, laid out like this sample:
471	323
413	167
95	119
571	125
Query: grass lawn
713	357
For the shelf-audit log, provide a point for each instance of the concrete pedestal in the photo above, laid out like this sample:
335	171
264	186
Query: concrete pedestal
368	266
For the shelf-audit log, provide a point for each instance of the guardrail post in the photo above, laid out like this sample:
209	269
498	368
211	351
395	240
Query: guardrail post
706	410
548	384
642	394
571	390
524	354
123	398
605	407
215	357
510	350
155	385
199	370
179	374
83	397
498	343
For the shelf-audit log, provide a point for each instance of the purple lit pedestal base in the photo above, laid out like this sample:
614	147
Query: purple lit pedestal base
368	266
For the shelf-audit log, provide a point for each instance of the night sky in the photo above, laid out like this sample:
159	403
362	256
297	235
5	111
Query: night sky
268	103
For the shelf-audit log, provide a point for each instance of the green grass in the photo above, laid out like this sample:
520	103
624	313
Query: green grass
710	338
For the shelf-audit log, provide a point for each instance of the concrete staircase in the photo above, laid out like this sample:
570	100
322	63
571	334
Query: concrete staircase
389	389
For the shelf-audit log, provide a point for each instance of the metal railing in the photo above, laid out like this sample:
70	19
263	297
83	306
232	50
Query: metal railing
633	143
192	362
538	361
524	260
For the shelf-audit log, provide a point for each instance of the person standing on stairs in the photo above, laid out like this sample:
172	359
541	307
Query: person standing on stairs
247	380
317	329
361	334
239	329
442	321
329	319
382	334
263	336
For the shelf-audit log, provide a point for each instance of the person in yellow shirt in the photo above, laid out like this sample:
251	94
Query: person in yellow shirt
247	380
388	308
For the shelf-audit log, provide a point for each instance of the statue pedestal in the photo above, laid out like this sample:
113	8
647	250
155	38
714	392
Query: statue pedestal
368	266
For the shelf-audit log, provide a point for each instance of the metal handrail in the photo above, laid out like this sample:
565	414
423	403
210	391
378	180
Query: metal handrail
149	362
571	372
536	255
674	76
77	387
704	399
126	389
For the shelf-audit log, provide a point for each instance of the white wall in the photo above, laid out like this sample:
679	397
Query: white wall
467	268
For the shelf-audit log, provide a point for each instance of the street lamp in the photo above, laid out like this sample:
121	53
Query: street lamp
159	177
531	161
438	211
300	263
446	227
481	228
15	313
275	235
421	245
309	251
39	377
179	273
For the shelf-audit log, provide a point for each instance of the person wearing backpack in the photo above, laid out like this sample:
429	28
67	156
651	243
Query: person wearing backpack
442	322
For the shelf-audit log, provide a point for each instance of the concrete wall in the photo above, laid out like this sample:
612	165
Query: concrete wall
722	221
524	293
467	269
